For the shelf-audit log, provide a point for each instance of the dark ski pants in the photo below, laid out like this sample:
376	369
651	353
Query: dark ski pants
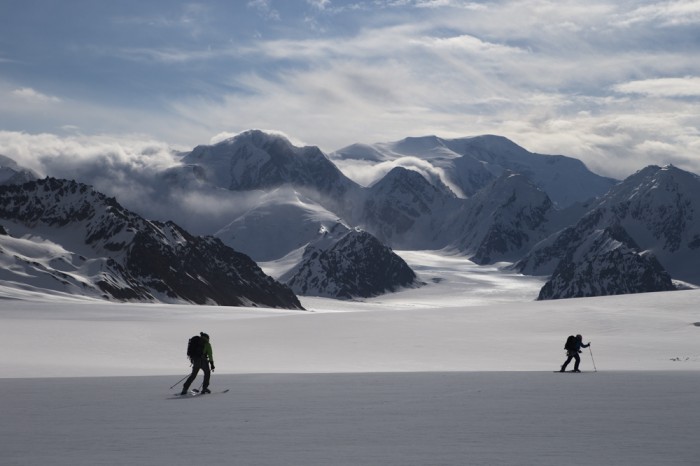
197	364
572	355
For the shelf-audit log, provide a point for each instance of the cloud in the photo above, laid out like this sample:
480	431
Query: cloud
87	157
557	77
134	171
31	95
620	141
193	19
319	4
450	3
662	87
264	9
664	14
169	55
366	173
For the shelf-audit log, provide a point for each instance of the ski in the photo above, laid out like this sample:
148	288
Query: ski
196	392
570	372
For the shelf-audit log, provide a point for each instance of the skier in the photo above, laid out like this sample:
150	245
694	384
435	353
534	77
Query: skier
572	353
202	361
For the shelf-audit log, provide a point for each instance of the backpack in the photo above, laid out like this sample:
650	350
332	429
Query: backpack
195	347
570	343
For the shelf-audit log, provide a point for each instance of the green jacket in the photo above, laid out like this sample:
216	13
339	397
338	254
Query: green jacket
208	352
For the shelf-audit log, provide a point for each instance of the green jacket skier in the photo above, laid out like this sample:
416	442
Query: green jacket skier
202	361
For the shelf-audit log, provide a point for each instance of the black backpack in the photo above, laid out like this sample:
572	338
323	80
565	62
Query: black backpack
570	343
195	347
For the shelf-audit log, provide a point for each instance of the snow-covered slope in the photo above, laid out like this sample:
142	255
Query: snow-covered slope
502	221
94	246
471	163
659	208
353	264
258	160
12	173
606	262
282	221
405	210
38	265
565	180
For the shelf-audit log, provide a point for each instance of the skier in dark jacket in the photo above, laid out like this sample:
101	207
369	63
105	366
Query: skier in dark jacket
572	353
202	362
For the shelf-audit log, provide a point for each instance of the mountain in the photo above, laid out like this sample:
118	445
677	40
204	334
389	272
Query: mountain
405	210
96	247
355	265
258	160
485	197
474	162
658	207
283	220
606	262
502	221
13	173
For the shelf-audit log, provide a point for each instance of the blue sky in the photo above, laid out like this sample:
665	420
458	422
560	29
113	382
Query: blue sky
614	83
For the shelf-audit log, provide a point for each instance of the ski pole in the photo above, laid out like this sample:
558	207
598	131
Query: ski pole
179	381
591	351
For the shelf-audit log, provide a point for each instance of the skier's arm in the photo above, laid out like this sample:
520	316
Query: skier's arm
210	354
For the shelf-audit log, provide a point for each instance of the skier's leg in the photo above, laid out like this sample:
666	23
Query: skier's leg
196	365
578	361
566	363
207	375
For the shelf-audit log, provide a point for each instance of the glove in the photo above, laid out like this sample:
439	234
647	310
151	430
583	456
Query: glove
212	366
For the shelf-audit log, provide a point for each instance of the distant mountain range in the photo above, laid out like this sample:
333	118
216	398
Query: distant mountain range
63	236
484	197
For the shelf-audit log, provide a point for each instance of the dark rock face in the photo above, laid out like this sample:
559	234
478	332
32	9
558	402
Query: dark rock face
607	262
213	272
141	260
355	266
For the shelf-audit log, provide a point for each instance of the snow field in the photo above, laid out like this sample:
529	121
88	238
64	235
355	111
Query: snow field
457	372
494	418
653	331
